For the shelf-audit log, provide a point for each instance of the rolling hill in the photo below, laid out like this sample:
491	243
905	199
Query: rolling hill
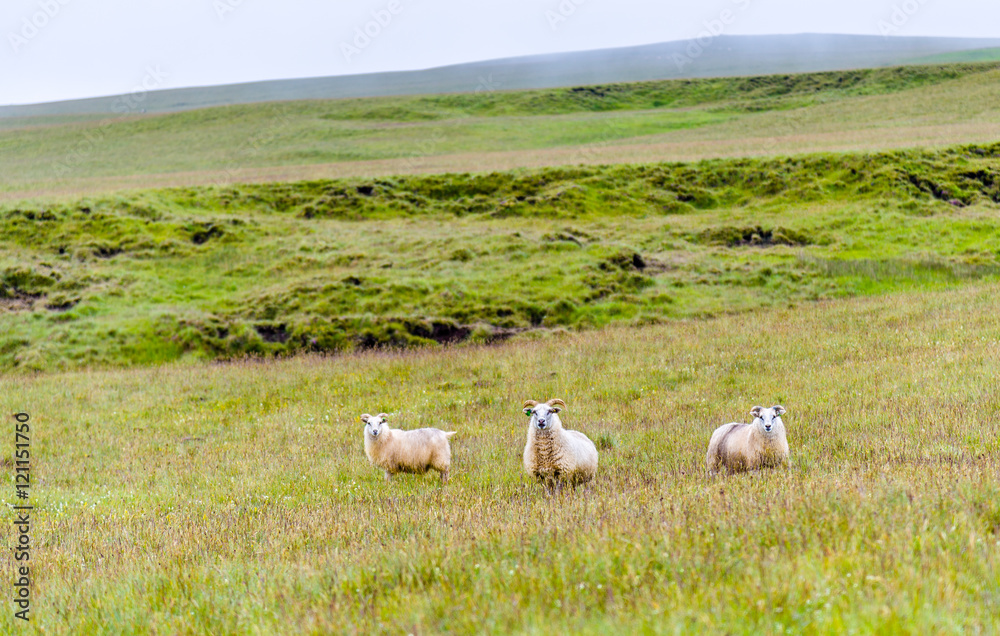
612	123
663	255
974	55
285	268
719	57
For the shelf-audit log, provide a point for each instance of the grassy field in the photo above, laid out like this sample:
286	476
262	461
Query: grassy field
237	499
194	359
975	55
203	273
652	121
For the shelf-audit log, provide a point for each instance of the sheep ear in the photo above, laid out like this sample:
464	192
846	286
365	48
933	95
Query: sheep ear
556	404
755	411
384	416
527	411
365	417
778	410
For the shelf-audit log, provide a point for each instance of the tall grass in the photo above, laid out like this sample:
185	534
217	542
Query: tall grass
236	498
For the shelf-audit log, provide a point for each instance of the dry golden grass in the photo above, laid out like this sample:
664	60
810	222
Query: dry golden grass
237	498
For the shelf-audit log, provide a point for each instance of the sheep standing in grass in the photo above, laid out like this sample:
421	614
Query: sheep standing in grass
761	444
553	454
397	451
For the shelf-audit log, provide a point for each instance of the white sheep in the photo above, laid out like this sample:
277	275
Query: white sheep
554	454
397	451
761	444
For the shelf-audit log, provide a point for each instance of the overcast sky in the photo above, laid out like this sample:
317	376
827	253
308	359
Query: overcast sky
63	49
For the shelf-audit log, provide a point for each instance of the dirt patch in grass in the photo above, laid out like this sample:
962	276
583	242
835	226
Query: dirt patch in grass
755	236
272	333
18	303
210	231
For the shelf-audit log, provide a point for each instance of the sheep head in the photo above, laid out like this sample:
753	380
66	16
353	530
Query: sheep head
543	415
767	419
375	424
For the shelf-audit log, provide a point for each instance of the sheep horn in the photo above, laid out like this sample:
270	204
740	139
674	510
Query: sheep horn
529	404
556	402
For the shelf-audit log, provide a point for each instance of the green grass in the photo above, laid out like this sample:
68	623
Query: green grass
228	141
755	93
195	359
331	266
966	57
236	498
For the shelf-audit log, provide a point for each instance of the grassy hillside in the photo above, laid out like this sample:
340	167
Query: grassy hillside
724	56
975	55
753	94
459	133
338	265
237	498
194	359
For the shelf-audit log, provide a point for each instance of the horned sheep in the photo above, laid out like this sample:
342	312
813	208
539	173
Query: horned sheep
760	444
553	454
398	451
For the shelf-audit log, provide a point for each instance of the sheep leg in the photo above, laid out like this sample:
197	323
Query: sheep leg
548	484
388	476
444	476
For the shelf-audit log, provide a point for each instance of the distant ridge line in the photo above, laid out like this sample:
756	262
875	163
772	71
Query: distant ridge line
723	56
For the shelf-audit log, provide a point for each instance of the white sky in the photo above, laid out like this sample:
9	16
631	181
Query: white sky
100	47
